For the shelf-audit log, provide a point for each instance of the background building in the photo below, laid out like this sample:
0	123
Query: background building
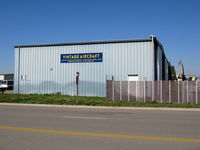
6	82
52	68
7	76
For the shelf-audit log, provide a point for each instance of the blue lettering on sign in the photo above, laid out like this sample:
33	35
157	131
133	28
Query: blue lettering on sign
81	58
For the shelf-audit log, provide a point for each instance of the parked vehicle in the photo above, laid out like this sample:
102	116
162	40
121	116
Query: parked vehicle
6	85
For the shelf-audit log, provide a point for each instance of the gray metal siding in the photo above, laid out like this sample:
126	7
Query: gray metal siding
159	63
45	73
16	70
166	70
162	64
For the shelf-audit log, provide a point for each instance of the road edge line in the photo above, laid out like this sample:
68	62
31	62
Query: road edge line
103	107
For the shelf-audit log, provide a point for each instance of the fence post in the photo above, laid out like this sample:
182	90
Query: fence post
187	92
144	91
152	90
170	92
128	92
106	87
120	90
161	91
113	90
196	92
136	92
178	93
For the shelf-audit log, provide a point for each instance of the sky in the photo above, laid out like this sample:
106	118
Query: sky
175	23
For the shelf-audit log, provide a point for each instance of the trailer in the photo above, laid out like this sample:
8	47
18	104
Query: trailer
6	85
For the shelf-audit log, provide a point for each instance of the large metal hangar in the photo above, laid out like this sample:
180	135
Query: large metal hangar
52	68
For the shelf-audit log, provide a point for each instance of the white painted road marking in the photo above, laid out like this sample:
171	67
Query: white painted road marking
79	117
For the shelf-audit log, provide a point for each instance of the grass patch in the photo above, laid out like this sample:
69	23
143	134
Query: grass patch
83	100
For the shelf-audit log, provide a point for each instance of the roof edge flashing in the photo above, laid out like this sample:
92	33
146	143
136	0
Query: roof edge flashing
86	43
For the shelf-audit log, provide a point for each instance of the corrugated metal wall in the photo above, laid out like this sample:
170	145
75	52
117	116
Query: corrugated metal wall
159	63
38	69
166	70
162	64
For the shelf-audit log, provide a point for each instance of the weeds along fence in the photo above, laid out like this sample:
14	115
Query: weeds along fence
160	91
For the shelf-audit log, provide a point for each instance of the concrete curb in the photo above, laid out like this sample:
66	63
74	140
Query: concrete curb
103	107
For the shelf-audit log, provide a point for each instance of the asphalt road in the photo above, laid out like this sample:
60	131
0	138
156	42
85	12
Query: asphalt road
51	128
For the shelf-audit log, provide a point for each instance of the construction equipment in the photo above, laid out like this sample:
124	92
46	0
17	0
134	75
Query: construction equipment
181	75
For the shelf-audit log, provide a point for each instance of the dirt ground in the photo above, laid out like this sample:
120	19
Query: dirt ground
8	91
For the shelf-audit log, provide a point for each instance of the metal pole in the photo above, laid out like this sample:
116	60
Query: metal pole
170	92
161	91
178	93
152	90
18	71
187	92
128	92
106	87
120	90
77	90
77	86
77	98
144	91
113	90
196	92
136	92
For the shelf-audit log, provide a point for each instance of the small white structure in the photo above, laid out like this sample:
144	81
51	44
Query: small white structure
9	77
